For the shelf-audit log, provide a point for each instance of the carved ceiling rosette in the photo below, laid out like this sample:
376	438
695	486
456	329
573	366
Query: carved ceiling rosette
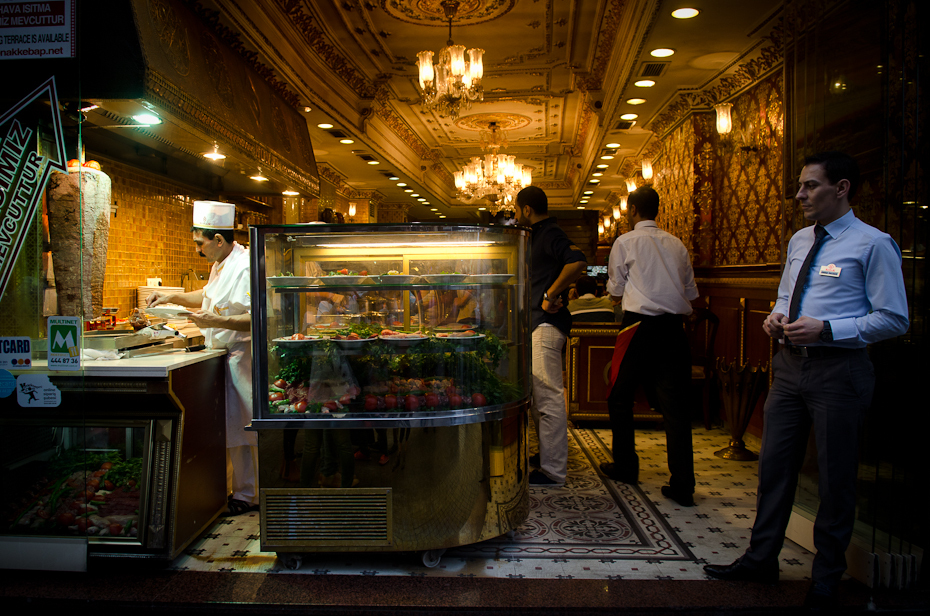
172	35
431	12
216	68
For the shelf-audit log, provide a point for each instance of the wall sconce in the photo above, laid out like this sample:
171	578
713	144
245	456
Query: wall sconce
606	222
617	213
630	184
724	121
351	209
600	228
647	169
623	204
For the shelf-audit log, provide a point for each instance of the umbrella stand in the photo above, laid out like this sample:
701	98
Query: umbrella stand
740	390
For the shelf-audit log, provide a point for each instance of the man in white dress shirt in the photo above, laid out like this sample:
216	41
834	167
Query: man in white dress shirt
224	316
650	272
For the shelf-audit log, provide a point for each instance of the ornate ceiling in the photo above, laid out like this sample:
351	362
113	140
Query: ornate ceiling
557	75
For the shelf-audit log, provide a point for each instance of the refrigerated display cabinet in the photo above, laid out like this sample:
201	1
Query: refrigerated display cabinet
390	362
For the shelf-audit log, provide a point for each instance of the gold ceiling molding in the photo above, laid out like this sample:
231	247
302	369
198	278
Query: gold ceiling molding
480	121
403	132
443	174
606	38
587	114
431	13
770	57
557	185
328	173
316	39
211	19
375	197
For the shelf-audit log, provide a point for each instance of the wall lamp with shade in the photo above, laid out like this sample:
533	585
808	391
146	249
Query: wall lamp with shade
617	213
647	169
725	126
623	203
607	221
630	184
600	228
351	209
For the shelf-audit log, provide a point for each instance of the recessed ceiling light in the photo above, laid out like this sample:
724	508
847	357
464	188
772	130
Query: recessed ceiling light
597	174
307	109
324	126
393	178
685	13
408	190
481	209
434	209
629	116
346	141
426	203
589	192
421	199
580	207
636	101
442	215
373	162
147	118
583	201
593	181
602	166
662	52
607	157
644	83
401	184
612	146
415	195
289	193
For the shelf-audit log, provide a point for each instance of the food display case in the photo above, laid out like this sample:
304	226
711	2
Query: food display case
391	380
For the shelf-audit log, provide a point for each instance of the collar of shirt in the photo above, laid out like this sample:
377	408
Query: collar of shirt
642	224
835	228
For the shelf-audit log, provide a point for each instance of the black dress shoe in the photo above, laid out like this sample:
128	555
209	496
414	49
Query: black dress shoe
534	460
685	500
820	597
737	572
623	475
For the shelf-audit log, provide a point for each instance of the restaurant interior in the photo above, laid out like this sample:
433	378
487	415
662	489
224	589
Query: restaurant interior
353	112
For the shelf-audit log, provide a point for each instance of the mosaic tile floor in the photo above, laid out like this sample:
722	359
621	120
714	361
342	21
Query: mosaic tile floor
592	528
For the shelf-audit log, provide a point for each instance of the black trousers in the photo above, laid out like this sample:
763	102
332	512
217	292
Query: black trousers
830	394
659	359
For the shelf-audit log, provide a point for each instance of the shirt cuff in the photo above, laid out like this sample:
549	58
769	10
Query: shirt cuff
844	329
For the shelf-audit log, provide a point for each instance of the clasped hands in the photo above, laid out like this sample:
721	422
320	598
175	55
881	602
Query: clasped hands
802	331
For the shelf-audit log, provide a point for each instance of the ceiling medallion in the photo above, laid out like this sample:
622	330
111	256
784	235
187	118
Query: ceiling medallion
495	177
450	85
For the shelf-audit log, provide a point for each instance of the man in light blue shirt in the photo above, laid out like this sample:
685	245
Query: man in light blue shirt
841	289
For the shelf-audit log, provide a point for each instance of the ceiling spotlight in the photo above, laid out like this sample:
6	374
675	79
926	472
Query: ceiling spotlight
415	195
629	116
346	141
258	177
324	126
88	107
290	193
636	101
685	13
597	174
644	83
612	146
602	166
393	178
661	52
607	157
580	207
307	109
408	190
373	162
214	154
593	181
589	192
421	199
401	184
442	215
147	118
481	209
433	209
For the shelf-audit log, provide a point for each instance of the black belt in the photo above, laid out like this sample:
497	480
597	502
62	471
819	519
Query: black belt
819	351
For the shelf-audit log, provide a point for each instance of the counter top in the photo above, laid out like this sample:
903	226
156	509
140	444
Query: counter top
153	366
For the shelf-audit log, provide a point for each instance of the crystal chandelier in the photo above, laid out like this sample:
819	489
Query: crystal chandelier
450	85
495	177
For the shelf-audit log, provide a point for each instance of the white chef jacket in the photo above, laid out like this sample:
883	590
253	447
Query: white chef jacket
228	293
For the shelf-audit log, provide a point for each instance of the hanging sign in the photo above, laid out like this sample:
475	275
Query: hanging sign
23	172
37	30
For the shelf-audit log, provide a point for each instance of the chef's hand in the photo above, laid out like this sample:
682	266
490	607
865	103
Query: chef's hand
205	319
804	331
552	306
156	299
774	325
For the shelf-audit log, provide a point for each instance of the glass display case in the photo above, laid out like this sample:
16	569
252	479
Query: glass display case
396	325
391	382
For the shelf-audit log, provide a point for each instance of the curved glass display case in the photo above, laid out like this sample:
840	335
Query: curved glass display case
391	383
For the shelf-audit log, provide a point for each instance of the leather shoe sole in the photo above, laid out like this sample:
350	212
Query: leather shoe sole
685	500
618	474
737	572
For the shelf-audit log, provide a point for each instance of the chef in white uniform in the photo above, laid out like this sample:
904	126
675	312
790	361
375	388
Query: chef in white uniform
224	317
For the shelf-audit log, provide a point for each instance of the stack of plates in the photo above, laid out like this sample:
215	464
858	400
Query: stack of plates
144	292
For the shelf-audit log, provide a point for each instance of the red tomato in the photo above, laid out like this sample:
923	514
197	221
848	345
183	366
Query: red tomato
478	399
371	402
108	485
93	483
100	473
275	396
115	528
390	401
74	163
66	519
280	384
92	164
346	399
82	525
106	466
131	483
344	272
411	403
450	391
455	400
363	273
432	400
300	407
331	405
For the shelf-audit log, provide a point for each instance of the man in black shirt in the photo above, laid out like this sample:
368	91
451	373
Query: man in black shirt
555	263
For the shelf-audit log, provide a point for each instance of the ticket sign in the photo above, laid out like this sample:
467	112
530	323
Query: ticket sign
15	353
37	30
64	343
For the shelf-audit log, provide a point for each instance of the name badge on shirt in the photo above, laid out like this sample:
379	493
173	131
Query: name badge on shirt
830	270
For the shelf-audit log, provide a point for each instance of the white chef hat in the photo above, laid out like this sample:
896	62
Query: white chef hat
214	215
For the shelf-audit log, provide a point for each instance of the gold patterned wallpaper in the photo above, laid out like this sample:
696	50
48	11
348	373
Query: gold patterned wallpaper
719	196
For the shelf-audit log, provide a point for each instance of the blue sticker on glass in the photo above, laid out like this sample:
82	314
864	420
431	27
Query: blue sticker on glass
7	383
